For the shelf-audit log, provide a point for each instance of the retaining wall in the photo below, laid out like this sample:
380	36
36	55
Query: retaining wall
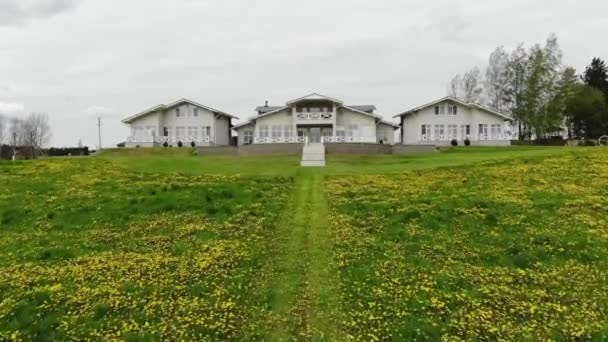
413	149
217	150
264	149
358	148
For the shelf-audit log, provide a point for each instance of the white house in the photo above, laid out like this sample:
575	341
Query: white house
316	118
182	121
444	120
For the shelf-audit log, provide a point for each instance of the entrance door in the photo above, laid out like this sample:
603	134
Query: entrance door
315	135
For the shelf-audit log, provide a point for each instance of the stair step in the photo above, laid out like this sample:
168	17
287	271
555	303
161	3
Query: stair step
319	163
313	155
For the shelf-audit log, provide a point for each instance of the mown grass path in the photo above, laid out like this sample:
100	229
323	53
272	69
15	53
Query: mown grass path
306	297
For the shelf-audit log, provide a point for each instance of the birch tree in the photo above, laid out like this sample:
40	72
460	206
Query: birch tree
496	80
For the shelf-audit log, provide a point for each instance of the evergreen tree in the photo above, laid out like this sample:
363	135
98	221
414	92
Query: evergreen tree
596	75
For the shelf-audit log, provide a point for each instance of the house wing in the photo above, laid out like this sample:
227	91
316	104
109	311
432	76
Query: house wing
176	103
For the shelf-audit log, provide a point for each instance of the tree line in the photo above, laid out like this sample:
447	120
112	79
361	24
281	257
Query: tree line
543	96
32	131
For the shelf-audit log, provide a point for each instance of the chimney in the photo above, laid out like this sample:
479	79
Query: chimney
266	103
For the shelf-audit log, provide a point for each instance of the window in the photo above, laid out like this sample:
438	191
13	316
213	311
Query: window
452	110
340	131
483	132
180	132
193	132
208	131
301	133
465	131
195	112
496	131
150	130
452	132
276	131
439	110
425	130
439	132
248	137
178	114
352	130
165	131
263	132
288	131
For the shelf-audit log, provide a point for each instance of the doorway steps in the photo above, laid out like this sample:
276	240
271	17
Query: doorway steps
313	155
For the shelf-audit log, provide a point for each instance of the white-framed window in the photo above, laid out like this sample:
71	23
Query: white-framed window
180	132
340	131
288	131
276	131
195	112
425	131
439	132
301	133
193	131
452	110
248	137
178	113
496	131
352	130
263	132
166	131
150	130
465	131
439	109
483	132
453	132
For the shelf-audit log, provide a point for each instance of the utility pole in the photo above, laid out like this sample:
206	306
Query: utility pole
99	131
14	145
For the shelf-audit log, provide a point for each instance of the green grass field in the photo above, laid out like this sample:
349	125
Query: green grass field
158	244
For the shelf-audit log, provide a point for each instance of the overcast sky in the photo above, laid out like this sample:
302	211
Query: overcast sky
77	59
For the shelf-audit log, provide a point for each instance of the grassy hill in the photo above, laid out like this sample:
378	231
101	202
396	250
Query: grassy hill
158	244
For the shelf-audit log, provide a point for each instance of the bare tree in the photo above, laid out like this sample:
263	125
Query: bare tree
454	86
496	81
471	85
467	87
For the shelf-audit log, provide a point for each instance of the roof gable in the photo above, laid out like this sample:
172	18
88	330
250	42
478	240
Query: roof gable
315	96
455	100
174	104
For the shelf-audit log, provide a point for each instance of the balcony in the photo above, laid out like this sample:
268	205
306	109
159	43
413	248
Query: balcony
449	137
315	118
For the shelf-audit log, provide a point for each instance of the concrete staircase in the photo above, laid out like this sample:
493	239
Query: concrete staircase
313	155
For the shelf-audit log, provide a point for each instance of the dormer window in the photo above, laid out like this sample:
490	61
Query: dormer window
195	113
177	113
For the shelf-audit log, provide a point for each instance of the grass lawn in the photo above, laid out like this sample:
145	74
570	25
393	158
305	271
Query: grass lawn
466	244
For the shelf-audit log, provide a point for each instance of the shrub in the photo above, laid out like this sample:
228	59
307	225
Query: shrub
454	142
588	142
180	144
193	144
467	142
165	144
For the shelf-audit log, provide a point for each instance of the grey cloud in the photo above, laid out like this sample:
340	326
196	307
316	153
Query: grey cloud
18	12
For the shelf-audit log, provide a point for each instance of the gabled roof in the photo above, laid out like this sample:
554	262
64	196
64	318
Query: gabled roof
453	99
270	110
364	108
178	102
315	96
266	109
395	126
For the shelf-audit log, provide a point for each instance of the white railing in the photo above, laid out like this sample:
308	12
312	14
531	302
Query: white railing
349	139
483	137
170	140
315	116
278	140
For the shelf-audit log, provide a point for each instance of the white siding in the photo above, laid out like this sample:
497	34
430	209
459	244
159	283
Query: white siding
281	118
365	123
222	131
385	131
465	116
